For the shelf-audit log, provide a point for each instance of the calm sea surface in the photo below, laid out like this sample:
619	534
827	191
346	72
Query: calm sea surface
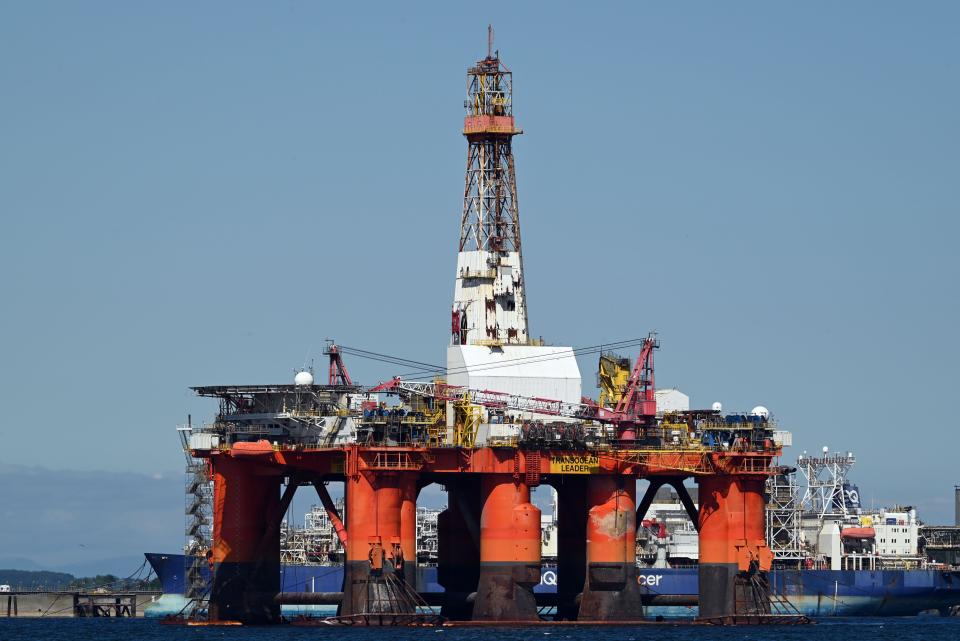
906	629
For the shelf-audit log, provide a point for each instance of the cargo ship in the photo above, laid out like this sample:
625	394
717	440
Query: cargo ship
818	593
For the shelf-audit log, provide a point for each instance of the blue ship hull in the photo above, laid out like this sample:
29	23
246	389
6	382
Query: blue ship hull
813	592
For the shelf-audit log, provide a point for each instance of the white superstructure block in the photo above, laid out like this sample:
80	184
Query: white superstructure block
524	370
671	400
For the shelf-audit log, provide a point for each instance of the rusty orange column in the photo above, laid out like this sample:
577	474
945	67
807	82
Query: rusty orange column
611	591
734	556
246	545
509	551
373	506
458	547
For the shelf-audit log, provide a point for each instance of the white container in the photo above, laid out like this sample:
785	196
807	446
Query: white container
783	438
204	441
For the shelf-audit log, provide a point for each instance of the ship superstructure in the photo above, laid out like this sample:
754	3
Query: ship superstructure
315	542
815	520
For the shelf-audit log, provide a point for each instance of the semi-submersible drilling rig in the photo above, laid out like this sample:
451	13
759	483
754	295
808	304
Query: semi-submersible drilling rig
508	417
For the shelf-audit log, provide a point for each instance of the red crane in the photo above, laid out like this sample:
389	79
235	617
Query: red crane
338	371
638	405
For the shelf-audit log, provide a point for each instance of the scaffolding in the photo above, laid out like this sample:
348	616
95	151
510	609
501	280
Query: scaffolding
784	520
826	484
198	501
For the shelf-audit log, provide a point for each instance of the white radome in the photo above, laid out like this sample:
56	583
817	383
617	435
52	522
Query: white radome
717	407
760	410
303	378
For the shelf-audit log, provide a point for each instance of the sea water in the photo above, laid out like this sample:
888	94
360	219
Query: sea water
865	629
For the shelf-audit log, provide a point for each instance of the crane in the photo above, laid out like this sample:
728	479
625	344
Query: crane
338	371
636	406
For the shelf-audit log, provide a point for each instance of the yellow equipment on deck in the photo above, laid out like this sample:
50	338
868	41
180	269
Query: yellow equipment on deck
613	375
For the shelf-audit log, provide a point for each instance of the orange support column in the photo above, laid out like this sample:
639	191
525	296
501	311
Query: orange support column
360	506
611	591
374	549
246	543
734	556
509	551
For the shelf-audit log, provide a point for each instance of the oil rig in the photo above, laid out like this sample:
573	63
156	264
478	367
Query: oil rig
506	417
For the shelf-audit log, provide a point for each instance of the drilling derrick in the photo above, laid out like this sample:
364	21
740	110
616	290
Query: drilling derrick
489	314
490	304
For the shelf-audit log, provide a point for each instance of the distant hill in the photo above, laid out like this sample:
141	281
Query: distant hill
46	580
35	579
121	566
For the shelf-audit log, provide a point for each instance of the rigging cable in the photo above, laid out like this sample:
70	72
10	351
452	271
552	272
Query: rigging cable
423	369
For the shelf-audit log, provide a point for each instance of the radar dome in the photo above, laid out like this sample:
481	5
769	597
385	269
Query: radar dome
717	407
761	411
303	378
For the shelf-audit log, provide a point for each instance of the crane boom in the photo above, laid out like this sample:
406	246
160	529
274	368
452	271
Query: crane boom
637	404
639	398
490	398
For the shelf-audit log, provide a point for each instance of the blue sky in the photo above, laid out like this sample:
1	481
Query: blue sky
200	194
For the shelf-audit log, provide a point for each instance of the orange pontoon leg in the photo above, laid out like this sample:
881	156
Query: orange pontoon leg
374	545
611	591
509	551
246	543
734	557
